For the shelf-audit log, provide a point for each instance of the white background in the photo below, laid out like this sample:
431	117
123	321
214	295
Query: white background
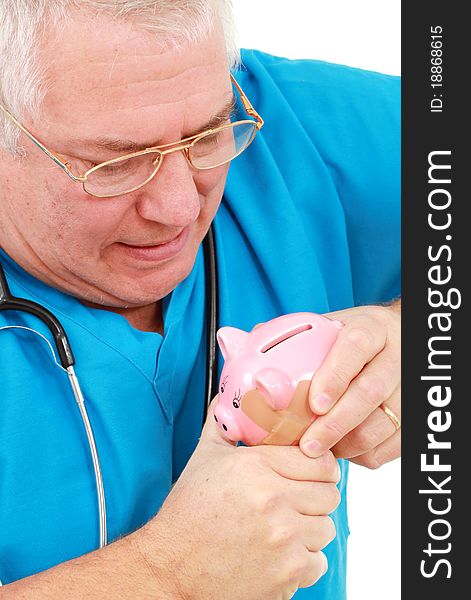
366	34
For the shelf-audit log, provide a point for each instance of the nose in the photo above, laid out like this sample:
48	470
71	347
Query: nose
226	421
171	197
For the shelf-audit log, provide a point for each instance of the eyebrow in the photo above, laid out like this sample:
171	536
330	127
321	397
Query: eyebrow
129	146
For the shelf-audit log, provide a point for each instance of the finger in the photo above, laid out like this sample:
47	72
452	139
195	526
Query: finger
374	430
394	405
313	499
385	452
317	532
291	463
316	567
374	385
358	343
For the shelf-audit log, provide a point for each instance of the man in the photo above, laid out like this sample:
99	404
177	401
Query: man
308	222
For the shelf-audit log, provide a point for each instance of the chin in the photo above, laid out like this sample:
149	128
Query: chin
133	283
140	289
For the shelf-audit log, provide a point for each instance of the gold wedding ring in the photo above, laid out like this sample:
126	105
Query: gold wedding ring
394	420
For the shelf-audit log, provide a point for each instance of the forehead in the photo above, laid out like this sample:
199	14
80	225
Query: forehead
107	77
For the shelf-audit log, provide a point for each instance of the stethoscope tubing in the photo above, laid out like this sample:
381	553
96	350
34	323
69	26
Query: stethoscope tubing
64	350
10	302
67	360
212	319
79	398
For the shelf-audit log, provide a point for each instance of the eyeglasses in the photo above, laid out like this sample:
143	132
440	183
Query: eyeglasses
206	150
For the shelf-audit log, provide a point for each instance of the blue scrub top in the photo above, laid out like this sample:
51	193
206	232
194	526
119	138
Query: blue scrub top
309	222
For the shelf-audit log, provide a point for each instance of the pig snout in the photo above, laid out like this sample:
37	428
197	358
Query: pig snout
224	417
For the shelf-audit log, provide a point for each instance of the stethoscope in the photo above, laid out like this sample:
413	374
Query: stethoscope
67	361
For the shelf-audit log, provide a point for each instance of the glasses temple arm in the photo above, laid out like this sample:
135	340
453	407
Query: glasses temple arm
64	166
249	109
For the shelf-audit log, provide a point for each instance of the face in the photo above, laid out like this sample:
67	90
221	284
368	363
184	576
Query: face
113	81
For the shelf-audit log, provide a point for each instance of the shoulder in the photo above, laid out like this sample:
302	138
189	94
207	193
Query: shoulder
327	99
294	75
331	140
350	116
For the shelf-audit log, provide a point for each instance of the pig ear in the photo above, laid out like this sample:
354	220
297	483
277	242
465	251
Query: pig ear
231	341
276	386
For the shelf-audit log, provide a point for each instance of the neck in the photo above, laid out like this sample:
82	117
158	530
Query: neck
143	318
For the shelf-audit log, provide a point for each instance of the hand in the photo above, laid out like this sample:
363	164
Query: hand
361	373
246	522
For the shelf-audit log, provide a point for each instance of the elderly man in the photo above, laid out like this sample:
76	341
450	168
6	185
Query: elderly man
118	125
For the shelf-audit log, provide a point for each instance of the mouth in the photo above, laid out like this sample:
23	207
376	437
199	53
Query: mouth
158	252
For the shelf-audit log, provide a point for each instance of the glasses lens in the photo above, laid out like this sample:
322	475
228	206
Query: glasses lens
215	149
122	176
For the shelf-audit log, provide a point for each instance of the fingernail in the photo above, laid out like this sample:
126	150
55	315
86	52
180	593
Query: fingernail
322	403
312	448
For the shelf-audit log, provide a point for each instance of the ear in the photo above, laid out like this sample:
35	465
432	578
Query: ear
276	386
231	341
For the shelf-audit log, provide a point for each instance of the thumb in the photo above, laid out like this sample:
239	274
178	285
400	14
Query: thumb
211	431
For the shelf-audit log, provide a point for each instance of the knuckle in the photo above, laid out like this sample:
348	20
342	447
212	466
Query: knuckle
392	368
338	378
329	531
371	389
365	438
281	537
327	496
370	461
330	466
335	497
266	501
323	563
317	568
338	475
250	461
360	338
332	529
296	569
335	429
251	457
383	456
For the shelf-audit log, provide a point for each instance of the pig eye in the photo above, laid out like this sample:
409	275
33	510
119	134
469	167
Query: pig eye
236	401
223	385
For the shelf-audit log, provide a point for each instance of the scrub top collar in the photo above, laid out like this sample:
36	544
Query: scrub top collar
104	325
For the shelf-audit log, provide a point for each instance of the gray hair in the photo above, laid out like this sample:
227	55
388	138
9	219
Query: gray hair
23	23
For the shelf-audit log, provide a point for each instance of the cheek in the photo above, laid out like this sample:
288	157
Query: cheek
37	206
210	185
78	220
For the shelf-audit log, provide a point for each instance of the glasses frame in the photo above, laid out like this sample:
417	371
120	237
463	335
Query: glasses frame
182	145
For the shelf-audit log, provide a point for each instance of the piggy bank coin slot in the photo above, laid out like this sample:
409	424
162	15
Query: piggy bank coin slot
286	336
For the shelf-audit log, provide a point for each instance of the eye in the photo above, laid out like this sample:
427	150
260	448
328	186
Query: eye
209	140
236	400
118	168
223	385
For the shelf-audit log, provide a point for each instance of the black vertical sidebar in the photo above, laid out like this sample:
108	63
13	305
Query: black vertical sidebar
436	356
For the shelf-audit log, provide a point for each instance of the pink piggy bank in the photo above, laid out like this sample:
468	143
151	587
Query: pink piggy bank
263	390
